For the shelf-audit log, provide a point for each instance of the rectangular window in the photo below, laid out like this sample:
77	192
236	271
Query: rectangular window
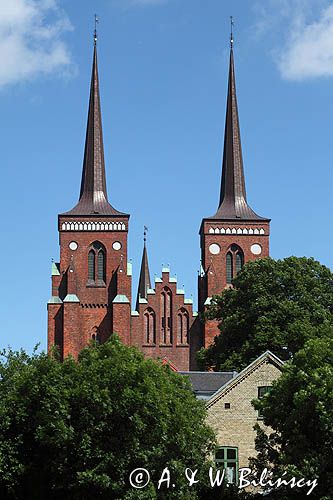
227	458
262	390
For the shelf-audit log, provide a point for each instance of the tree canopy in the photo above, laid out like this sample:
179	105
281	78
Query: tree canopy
299	409
76	429
276	305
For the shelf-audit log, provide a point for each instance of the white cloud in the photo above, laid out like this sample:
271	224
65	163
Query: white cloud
305	30
30	40
309	52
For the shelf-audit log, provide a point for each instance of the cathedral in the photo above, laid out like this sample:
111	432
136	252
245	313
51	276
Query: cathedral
92	283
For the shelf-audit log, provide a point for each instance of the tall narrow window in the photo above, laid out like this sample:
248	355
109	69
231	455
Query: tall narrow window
101	265
91	265
234	262
229	265
149	326
239	260
166	316
182	326
96	265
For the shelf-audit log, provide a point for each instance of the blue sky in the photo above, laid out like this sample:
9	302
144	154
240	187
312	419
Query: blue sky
163	72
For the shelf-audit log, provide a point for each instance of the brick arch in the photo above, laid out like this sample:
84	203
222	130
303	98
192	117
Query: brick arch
234	261
96	263
149	326
166	316
183	324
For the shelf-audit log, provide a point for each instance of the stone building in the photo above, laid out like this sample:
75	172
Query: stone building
232	416
92	282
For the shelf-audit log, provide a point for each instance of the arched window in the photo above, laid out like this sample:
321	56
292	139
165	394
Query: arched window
166	316
95	336
91	265
229	265
182	326
149	326
239	260
97	264
234	262
101	265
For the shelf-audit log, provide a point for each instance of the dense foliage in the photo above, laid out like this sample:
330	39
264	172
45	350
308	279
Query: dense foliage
299	409
275	305
75	430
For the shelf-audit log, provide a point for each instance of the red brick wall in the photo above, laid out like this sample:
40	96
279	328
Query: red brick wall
214	265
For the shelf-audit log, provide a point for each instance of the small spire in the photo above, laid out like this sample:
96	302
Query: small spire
95	30
144	280
231	32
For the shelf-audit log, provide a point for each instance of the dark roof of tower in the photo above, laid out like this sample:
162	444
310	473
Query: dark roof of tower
144	280
233	203
93	195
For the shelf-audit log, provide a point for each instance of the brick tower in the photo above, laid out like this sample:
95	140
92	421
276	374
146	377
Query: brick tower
235	234
91	286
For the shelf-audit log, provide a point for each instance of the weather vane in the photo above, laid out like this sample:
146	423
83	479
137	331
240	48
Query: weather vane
95	30
231	32
145	230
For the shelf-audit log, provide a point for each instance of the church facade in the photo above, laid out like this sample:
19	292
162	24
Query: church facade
92	282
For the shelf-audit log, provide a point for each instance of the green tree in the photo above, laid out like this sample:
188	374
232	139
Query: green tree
299	409
275	305
75	430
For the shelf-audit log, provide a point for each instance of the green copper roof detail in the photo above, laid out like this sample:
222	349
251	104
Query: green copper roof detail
150	291
188	301
158	280
135	313
55	269
208	301
55	300
129	268
120	299
143	300
180	291
195	313
165	270
71	298
173	279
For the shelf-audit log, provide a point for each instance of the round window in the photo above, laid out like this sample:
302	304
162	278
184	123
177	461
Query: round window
256	249
116	245
214	248
73	245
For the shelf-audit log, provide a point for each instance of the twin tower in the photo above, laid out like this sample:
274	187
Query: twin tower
92	283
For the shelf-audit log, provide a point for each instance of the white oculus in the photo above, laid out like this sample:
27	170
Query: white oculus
256	249
214	248
116	245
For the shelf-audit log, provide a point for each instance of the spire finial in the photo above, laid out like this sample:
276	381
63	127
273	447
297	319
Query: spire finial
95	30
145	230
231	32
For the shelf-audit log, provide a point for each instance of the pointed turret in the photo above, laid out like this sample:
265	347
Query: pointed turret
233	202
144	280
93	196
